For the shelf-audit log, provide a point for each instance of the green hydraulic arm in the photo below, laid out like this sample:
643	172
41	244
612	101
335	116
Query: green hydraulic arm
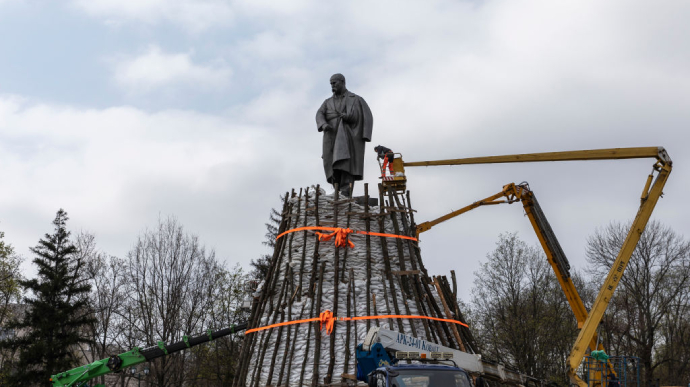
78	377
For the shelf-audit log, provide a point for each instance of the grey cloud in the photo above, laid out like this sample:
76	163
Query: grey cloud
444	80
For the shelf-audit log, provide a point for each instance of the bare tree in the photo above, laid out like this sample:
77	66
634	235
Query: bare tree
10	294
105	273
215	363
652	291
675	346
10	275
172	283
519	312
168	286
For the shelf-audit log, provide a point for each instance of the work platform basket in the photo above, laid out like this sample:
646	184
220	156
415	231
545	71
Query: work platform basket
596	373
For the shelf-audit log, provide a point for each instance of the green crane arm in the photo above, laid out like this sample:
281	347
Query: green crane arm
78	377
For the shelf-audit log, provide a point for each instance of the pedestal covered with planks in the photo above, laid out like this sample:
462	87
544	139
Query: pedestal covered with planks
378	276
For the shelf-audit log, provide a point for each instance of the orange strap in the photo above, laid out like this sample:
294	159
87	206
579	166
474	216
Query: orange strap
329	320
342	235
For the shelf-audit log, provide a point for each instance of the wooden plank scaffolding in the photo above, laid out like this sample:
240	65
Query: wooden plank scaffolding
379	276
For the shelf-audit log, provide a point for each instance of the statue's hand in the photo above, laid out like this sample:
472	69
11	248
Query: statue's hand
327	128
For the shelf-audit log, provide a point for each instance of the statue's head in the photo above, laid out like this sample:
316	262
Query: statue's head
338	83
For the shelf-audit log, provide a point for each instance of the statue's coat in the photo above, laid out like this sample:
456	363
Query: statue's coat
343	147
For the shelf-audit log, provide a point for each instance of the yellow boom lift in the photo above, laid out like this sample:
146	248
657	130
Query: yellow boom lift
588	322
512	193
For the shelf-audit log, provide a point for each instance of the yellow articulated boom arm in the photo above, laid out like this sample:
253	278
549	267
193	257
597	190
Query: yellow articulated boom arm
493	199
512	193
651	193
596	154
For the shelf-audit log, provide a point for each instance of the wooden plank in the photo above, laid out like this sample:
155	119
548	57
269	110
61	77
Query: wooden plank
465	332
407	308
373	302
315	257
348	328
336	287
395	209
348	376
368	244
415	281
406	272
312	287
436	312
387	264
304	248
404	284
354	312
385	298
453	327
317	334
292	351
292	289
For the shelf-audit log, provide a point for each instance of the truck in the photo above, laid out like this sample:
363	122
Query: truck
380	353
419	374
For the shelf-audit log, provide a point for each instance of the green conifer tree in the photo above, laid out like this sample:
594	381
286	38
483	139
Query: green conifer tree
57	315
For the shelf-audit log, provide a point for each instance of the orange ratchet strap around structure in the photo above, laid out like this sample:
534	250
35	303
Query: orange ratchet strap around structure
342	235
329	320
341	239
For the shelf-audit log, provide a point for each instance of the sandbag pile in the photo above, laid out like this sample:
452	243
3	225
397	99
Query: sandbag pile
379	276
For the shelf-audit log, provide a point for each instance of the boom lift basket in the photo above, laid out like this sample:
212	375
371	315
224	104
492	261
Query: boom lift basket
597	373
397	179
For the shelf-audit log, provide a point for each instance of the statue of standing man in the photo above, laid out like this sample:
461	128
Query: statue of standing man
346	122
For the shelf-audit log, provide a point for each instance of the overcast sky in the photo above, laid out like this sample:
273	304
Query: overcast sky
121	111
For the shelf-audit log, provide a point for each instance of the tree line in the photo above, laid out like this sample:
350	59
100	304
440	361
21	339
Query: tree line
521	317
86	305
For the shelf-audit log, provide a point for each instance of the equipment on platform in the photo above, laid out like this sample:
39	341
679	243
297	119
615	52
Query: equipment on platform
597	372
78	377
651	193
393	177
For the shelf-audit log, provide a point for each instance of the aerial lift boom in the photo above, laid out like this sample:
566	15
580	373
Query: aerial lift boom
554	253
651	193
512	193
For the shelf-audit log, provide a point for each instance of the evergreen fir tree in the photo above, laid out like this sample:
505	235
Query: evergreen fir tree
57	315
262	265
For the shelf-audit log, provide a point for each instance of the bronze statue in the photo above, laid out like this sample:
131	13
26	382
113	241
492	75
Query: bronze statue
346	122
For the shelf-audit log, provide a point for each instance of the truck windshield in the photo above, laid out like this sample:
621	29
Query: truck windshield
430	378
